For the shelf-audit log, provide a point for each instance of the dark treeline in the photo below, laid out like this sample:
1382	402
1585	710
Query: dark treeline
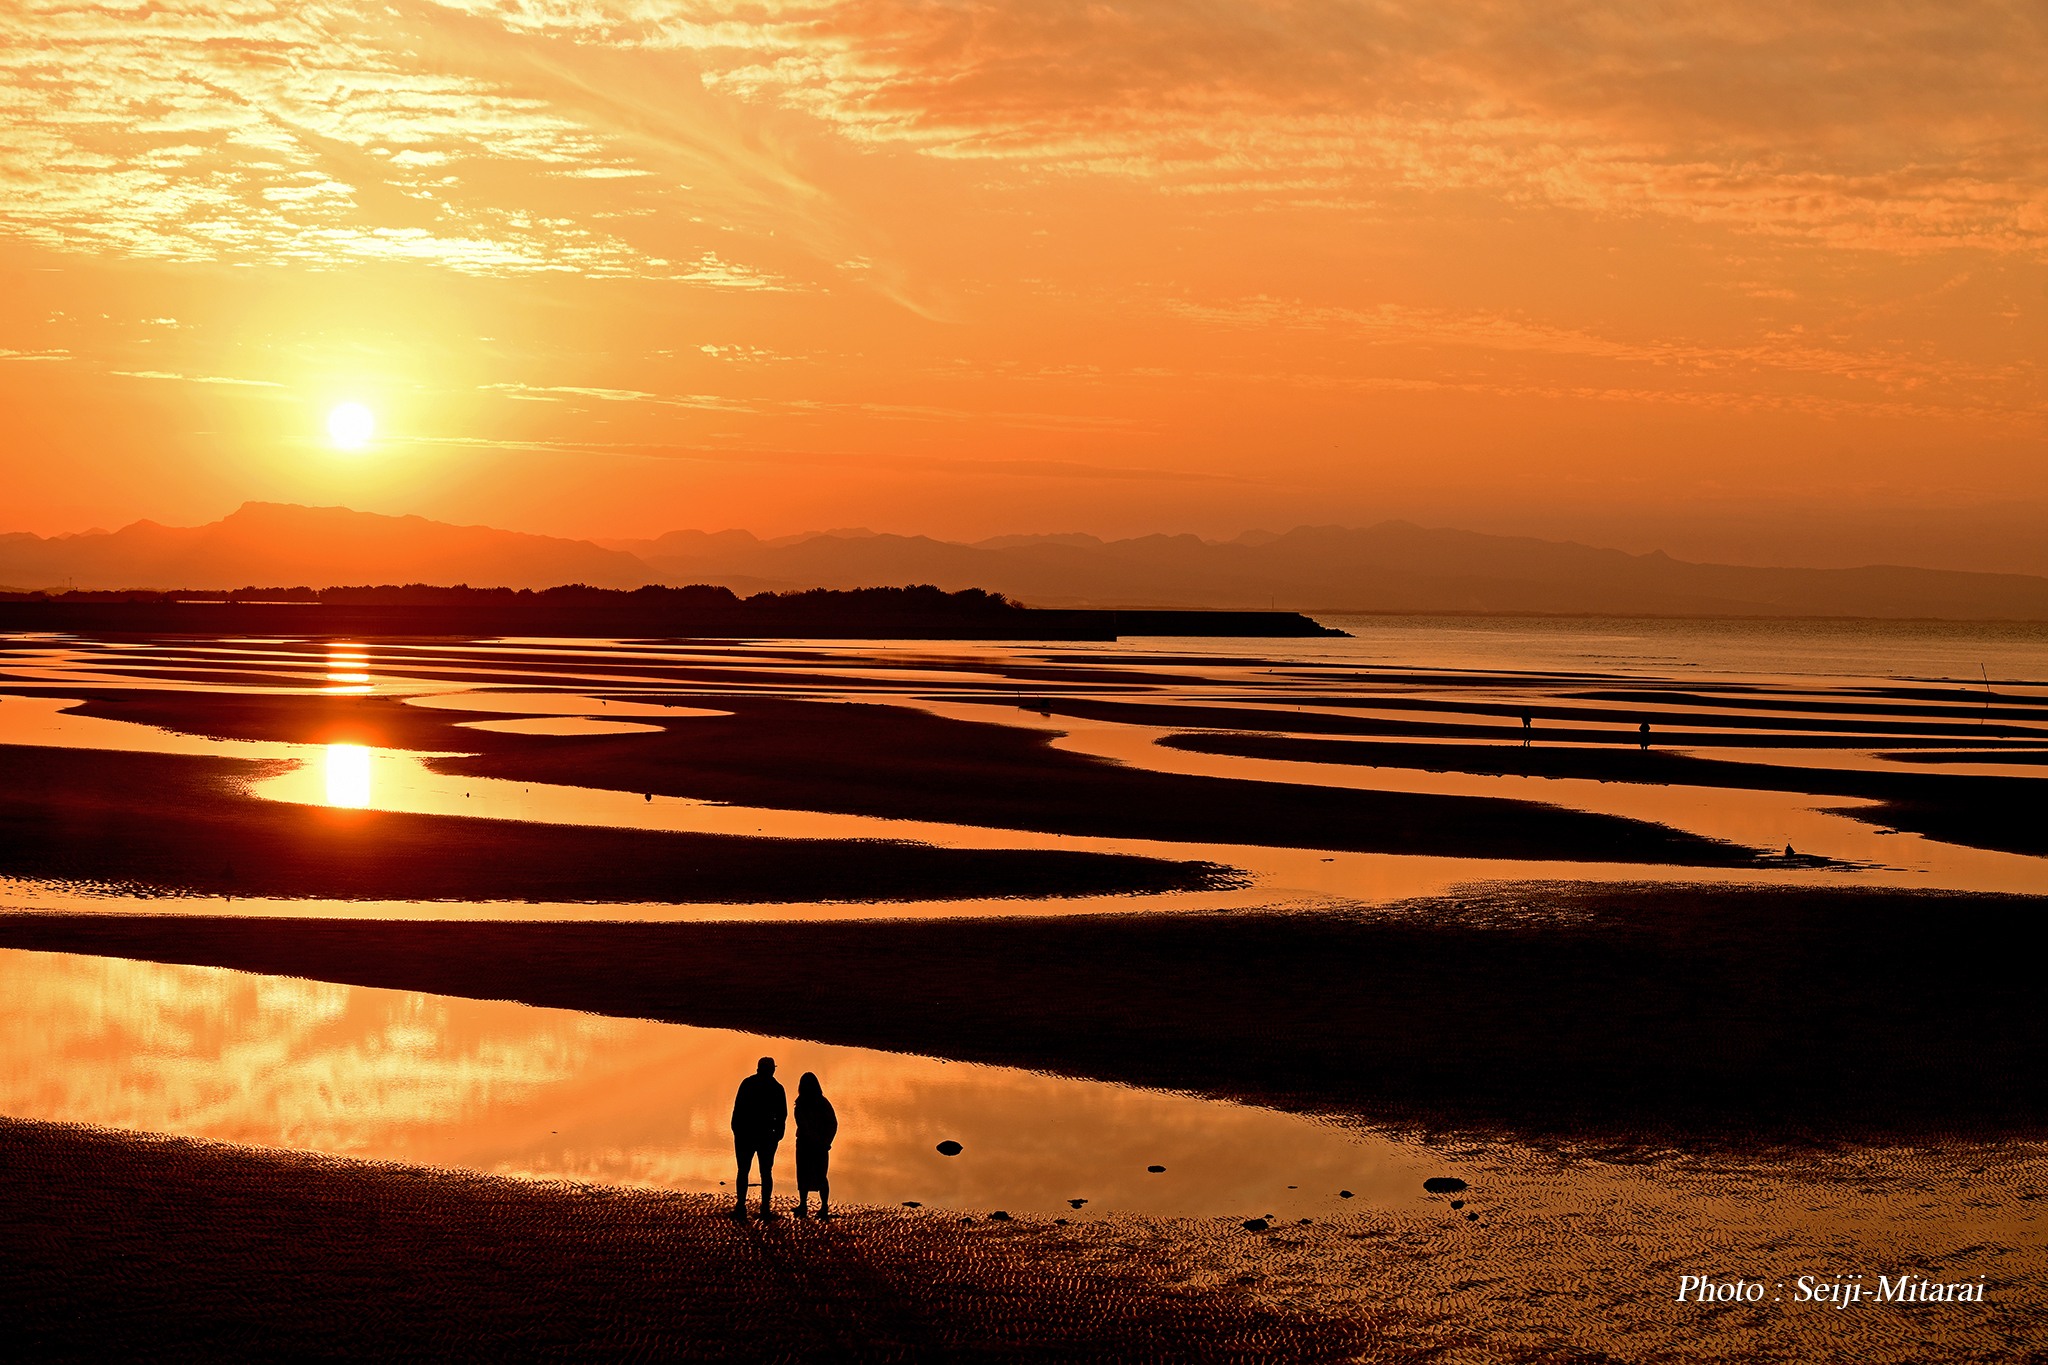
698	599
920	611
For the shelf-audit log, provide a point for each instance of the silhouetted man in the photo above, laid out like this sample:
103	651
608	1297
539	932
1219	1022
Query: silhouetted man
759	1113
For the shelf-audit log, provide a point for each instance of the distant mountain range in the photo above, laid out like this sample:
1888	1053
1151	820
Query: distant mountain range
1394	566
280	545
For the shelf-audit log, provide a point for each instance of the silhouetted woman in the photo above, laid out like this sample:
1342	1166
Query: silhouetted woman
816	1126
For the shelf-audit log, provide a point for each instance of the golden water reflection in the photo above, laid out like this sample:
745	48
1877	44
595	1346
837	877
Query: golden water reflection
348	671
496	1086
348	775
560	725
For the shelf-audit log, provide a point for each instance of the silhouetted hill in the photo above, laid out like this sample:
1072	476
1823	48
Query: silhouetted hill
266	542
1394	566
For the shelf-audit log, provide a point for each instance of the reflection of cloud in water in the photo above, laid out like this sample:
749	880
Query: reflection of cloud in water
272	1060
499	1086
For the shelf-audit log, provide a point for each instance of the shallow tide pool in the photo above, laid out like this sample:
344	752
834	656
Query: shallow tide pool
518	1090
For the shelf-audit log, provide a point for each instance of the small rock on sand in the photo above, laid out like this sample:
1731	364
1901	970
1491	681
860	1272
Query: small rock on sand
1443	1184
1255	1225
1156	1170
951	1148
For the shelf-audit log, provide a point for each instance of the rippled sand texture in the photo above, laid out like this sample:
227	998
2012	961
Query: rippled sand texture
187	1250
199	1247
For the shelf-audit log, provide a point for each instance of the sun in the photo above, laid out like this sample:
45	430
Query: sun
351	426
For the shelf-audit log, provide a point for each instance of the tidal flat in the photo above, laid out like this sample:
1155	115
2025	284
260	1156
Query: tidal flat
1726	997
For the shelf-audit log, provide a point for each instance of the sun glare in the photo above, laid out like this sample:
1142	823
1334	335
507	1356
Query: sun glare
348	775
351	425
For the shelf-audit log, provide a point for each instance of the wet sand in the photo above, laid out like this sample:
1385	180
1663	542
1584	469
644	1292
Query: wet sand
903	763
138	1246
1997	813
1750	720
184	825
1632	1017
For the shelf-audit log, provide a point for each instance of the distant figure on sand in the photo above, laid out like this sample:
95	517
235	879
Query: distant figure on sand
759	1113
816	1126
1527	724
1644	731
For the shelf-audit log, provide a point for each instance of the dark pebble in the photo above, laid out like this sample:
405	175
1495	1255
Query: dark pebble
1061	1222
1343	1194
912	1204
1156	1170
1472	1217
952	1148
1255	1225
1000	1217
1457	1203
1077	1203
1443	1184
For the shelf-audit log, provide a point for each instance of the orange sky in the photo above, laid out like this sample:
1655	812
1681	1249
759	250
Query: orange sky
1742	280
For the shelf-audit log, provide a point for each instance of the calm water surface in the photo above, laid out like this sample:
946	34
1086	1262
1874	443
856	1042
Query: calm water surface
518	1090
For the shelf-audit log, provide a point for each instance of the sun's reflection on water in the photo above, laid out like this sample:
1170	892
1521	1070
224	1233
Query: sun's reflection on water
348	775
348	671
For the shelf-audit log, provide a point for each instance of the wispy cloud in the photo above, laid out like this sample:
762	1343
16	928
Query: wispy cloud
319	134
340	131
1027	469
688	400
1907	127
197	378
1786	368
898	412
